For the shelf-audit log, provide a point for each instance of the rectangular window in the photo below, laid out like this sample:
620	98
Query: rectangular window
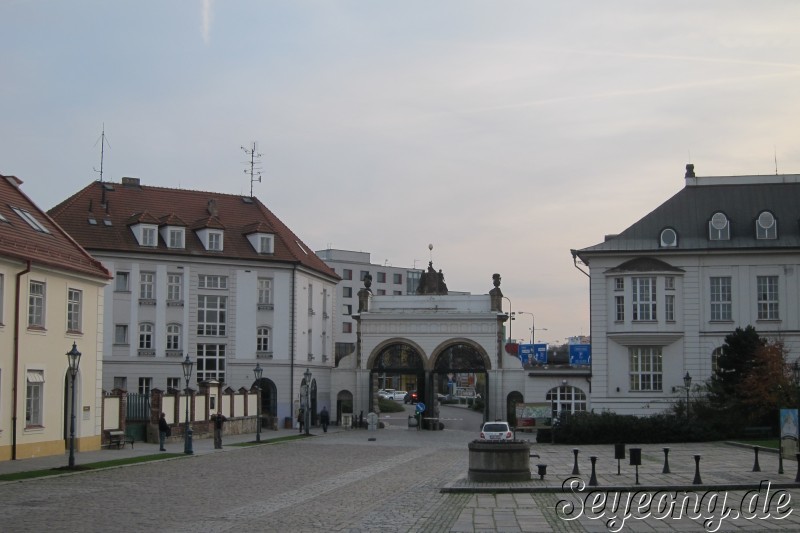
173	383
211	315
262	339
34	397
310	299
363	274
646	372
74	310
147	285
397	279
347	292
145	336
669	283
215	241
36	304
121	383
176	238
347	273
397	293
310	344
347	309
121	281
145	385
644	299
347	327
30	219
211	362
173	337
619	284
669	308
264	291
381	292
381	277
265	244
121	334
619	304
174	287
149	236
212	282
767	287
721	301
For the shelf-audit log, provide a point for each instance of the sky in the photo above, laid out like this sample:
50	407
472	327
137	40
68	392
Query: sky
503	132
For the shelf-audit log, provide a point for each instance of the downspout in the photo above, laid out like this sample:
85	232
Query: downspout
293	329
15	378
575	262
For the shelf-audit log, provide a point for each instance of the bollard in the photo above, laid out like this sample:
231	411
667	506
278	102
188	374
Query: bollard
756	467
619	453
797	477
575	471
697	480
666	462
636	460
593	479
780	457
542	471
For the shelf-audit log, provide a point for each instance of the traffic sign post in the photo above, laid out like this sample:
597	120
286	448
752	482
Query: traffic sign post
420	410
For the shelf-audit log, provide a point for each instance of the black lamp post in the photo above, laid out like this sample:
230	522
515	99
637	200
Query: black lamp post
307	411
74	359
187	365
258	372
687	382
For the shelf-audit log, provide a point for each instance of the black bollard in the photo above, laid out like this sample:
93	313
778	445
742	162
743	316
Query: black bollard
542	471
619	453
780	458
593	479
636	460
666	462
575	471
797	477
756	468
697	480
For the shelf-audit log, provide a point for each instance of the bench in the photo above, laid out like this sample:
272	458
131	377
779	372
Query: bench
757	431
118	439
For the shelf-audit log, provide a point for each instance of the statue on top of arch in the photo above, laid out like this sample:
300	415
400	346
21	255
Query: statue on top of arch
432	282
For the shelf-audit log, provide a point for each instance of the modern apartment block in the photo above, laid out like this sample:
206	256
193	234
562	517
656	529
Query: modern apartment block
722	253
215	277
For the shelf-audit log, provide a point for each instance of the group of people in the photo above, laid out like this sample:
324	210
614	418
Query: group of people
219	419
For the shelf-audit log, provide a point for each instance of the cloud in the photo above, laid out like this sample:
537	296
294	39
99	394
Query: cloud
206	16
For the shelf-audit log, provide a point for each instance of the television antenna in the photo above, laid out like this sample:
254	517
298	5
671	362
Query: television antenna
255	169
103	142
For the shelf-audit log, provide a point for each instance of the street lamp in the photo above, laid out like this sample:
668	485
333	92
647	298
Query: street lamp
258	372
687	382
533	323
74	359
187	365
510	317
307	410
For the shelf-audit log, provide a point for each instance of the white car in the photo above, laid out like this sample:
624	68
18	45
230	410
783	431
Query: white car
387	394
398	395
496	431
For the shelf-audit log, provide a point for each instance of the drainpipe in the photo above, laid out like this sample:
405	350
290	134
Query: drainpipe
292	329
15	378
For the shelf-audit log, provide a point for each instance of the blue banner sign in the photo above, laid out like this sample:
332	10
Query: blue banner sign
525	354
580	354
540	353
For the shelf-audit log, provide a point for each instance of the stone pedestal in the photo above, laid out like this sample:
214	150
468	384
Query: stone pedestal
499	461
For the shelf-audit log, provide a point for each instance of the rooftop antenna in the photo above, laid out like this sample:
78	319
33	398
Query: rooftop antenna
103	141
775	152
254	170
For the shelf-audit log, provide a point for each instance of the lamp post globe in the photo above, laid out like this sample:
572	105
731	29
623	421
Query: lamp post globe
307	411
258	372
74	360
187	365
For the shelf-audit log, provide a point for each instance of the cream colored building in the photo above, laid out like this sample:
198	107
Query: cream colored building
51	294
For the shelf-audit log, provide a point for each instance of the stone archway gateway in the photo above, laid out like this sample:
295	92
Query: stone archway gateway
402	364
460	369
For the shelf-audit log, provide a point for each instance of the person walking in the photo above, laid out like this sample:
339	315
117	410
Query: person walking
218	419
324	418
300	418
163	432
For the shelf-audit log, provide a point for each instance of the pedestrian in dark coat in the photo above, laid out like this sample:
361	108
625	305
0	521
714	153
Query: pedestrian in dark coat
163	432
218	420
324	418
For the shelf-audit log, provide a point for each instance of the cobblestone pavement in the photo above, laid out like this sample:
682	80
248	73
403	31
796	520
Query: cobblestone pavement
397	480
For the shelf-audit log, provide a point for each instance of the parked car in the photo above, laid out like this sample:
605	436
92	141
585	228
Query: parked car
386	394
496	431
411	397
398	395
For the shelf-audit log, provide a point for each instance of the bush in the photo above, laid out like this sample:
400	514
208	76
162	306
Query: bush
610	428
389	406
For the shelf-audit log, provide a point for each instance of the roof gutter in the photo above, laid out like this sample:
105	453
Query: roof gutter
575	262
15	377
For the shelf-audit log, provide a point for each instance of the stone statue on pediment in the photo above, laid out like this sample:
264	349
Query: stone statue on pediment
496	295
432	282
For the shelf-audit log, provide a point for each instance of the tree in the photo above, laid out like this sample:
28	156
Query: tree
769	383
735	363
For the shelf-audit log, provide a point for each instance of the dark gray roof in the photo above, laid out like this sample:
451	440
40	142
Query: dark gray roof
689	211
645	264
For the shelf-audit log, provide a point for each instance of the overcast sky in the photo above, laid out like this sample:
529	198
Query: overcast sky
504	133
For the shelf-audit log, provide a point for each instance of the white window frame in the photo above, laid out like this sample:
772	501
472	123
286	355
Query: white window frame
645	368
566	398
176	238
146	330
619	308
210	362
215	241
619	284
764	230
34	399
174	287
145	385
263	338
264	291
74	310
767	296
147	285
643	299
122	280
121	334
149	236
265	244
30	219
669	307
721	298
212	281
174	337
37	299
211	315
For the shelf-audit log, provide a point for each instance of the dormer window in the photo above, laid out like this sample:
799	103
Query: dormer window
669	239
175	237
262	243
766	226
215	241
719	228
149	236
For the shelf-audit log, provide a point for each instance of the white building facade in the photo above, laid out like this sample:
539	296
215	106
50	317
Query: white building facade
723	253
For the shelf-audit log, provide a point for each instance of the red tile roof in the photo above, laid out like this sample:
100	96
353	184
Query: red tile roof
19	240
113	206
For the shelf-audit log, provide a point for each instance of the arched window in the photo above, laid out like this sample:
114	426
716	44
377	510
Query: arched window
719	229
173	337
262	340
145	336
567	399
766	226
